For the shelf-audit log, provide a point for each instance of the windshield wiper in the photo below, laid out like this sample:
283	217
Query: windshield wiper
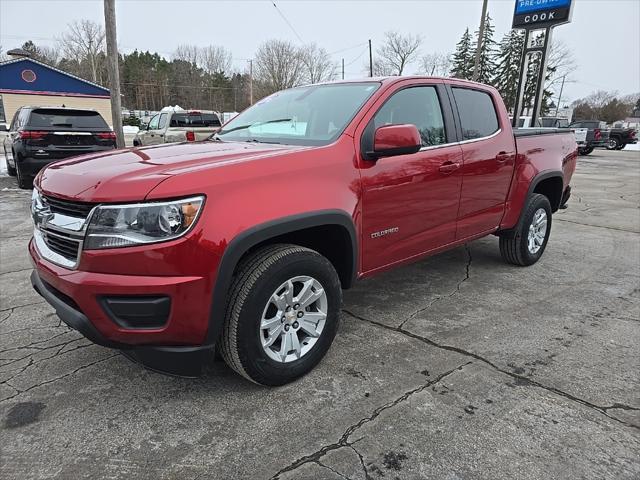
255	140
256	124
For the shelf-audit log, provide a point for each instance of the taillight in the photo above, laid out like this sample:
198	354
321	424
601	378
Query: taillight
191	137
597	134
106	135
32	135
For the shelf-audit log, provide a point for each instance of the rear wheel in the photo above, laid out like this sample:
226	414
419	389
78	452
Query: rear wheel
24	180
620	147
613	144
10	170
282	316
526	244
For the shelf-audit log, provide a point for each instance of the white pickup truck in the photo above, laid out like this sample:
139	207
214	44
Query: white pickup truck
178	126
552	122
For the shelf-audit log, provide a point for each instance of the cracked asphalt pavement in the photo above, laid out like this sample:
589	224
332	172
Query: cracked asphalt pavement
455	367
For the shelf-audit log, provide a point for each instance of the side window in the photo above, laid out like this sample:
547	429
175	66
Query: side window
153	124
15	122
416	105
163	121
477	113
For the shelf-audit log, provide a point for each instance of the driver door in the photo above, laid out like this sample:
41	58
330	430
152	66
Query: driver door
410	202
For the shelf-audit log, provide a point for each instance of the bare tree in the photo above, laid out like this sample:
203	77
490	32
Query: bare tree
85	41
278	65
215	59
381	68
317	64
397	51
187	53
438	64
561	64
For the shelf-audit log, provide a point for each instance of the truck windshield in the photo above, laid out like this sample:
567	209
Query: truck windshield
313	115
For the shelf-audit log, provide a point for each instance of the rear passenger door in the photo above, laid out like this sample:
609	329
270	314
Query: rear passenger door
489	153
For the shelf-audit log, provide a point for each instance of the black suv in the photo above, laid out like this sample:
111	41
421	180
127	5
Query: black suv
41	135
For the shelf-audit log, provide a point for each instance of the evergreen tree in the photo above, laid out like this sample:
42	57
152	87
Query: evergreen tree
508	67
486	65
462	61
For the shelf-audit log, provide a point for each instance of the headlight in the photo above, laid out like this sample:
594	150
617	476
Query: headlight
113	226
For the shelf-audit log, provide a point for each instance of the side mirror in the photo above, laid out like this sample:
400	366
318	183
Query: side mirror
393	140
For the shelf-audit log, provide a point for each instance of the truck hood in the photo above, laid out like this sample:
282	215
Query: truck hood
129	175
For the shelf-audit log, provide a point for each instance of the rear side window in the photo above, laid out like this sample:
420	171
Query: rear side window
477	113
65	118
195	120
418	106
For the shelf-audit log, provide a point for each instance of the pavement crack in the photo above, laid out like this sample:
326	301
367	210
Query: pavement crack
17	271
46	382
521	379
13	309
344	438
440	297
341	475
596	226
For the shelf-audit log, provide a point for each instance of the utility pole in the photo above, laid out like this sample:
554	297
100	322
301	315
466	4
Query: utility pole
250	82
476	65
560	96
112	67
370	60
343	68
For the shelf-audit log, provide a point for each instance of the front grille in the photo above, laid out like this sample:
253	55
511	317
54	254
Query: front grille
61	244
68	207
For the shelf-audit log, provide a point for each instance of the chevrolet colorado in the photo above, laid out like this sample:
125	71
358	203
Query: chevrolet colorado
245	241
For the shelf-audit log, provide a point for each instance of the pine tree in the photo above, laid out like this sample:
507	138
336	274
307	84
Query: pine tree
486	65
462	62
508	67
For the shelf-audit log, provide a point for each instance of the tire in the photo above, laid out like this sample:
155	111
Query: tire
613	144
262	276
24	181
588	150
515	246
620	147
11	171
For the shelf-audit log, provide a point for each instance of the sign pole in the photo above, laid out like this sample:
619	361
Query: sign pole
537	16
542	76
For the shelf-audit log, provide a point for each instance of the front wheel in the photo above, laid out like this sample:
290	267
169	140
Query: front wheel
525	245
283	314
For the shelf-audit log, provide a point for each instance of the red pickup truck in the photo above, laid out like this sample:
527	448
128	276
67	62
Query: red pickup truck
245	241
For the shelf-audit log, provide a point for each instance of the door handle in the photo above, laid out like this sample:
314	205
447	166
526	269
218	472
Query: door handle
502	157
449	167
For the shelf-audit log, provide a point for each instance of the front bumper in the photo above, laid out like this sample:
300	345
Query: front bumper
177	347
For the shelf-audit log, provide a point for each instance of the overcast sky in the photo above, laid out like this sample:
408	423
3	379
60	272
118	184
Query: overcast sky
604	35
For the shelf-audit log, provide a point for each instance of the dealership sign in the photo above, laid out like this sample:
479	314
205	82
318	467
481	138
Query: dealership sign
541	13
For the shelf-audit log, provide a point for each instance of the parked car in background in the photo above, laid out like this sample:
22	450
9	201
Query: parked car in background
621	137
245	242
597	135
178	126
553	122
41	135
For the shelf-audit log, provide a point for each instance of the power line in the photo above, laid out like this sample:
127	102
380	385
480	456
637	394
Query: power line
287	22
347	48
357	58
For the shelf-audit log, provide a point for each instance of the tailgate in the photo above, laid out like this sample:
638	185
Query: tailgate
581	135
